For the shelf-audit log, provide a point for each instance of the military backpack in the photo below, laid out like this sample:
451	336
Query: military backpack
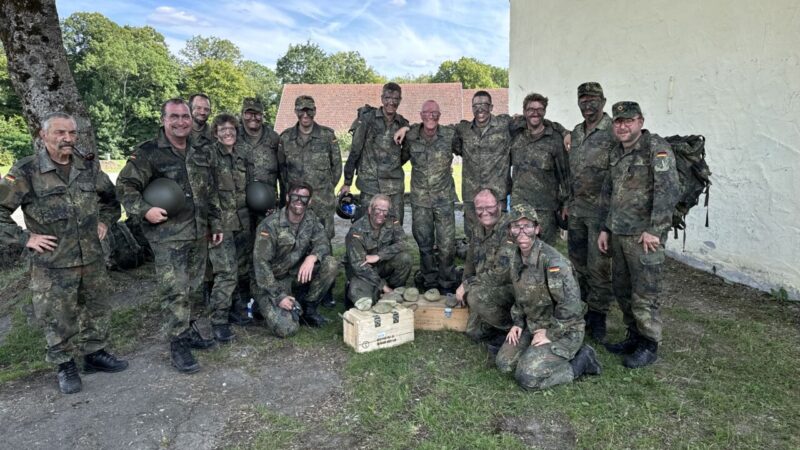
124	251
694	176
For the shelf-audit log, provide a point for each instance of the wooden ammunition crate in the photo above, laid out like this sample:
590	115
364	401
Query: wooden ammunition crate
366	331
437	316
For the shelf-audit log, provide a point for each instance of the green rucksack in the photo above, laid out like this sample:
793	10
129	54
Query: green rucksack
694	176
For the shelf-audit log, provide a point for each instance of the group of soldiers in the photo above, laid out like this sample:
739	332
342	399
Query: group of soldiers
611	181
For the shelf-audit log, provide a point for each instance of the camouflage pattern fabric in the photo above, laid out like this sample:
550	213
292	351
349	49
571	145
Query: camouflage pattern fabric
394	265
230	181
432	208
592	267
223	263
318	162
534	368
180	266
262	158
204	136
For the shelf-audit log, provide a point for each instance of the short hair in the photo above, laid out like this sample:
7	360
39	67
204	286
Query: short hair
295	186
486	190
224	118
55	115
380	197
173	101
391	87
482	94
194	96
534	97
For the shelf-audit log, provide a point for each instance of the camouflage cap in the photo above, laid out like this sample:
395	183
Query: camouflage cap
590	88
432	295
252	104
400	290
411	294
393	296
363	304
383	308
522	211
304	102
626	110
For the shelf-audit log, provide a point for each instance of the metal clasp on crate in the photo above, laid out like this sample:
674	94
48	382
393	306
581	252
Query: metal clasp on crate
377	319
395	316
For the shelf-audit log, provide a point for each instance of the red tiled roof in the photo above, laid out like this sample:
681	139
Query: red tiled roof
337	103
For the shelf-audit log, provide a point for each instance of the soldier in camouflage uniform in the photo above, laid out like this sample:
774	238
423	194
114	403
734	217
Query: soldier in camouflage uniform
639	197
375	154
200	107
68	204
540	168
309	152
262	147
432	192
179	241
591	143
377	260
484	286
545	347
293	264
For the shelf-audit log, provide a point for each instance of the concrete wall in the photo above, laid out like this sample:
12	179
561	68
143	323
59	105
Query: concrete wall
728	69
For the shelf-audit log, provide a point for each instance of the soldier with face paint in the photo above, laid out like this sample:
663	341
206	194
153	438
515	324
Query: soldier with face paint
262	144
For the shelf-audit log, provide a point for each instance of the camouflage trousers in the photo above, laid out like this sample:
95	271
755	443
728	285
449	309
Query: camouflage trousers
325	213
538	367
223	264
592	267
180	267
71	305
398	204
280	322
550	232
489	311
437	226
637	285
394	271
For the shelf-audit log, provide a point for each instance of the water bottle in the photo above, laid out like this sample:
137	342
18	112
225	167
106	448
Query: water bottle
250	308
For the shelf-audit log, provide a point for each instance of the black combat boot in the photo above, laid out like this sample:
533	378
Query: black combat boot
596	323
182	357
585	362
645	354
195	340
327	300
223	333
627	346
102	361
348	302
312	318
69	381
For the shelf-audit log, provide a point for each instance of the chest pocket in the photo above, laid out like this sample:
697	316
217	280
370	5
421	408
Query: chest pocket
418	156
53	204
225	181
597	158
319	156
285	239
542	161
638	173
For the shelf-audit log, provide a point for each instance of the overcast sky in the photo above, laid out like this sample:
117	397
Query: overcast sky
396	37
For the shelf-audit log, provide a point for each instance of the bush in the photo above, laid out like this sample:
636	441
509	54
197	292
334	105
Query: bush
345	141
15	142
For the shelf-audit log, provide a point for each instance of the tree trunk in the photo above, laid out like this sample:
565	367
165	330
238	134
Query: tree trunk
38	68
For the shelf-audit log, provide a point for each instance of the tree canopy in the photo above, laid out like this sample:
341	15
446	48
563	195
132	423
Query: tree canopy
199	49
471	73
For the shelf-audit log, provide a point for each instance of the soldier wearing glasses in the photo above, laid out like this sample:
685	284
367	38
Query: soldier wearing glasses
263	143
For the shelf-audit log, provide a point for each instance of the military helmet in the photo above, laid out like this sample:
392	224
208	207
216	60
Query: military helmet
347	206
432	295
260	197
165	193
411	294
363	303
383	307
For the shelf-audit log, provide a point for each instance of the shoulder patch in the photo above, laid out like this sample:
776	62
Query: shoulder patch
554	269
356	235
10	178
264	233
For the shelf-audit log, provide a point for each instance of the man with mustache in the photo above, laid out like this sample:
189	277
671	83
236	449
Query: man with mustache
68	204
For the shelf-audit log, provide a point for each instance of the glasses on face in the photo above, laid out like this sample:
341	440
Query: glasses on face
391	99
529	229
252	115
380	211
226	130
304	199
431	114
538	111
625	122
481	106
485	209
593	103
305	111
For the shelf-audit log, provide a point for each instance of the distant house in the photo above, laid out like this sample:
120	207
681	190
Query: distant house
337	103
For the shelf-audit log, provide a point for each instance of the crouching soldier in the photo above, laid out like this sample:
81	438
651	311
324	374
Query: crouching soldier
377	260
293	264
544	347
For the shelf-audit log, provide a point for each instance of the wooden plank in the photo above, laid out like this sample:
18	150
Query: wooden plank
366	331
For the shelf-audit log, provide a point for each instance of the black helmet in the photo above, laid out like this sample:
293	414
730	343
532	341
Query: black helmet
260	197
347	205
166	194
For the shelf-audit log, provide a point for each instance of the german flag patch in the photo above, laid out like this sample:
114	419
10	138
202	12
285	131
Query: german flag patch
264	233
662	154
554	269
356	235
10	178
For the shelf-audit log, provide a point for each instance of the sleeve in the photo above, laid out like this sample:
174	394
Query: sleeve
517	315
320	244
131	182
263	253
336	160
398	242
107	199
14	190
498	273
283	169
356	254
666	187
561	158
357	147
568	308
605	202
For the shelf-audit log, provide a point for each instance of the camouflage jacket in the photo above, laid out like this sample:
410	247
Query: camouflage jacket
362	240
279	251
431	166
588	163
316	161
192	169
486	156
489	255
540	175
69	210
230	180
262	156
204	136
546	296
378	159
641	188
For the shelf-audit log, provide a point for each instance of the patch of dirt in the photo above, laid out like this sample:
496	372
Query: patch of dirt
546	432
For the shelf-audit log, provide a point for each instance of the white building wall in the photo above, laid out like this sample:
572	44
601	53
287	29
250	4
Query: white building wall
727	69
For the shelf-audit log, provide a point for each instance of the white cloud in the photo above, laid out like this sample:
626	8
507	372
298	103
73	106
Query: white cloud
168	15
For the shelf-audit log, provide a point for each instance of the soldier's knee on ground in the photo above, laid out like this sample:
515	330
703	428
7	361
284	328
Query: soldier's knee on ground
280	322
527	379
506	360
329	267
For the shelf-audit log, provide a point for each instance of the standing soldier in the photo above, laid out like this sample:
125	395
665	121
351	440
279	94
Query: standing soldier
639	197
68	204
180	240
375	154
540	175
262	143
200	107
591	143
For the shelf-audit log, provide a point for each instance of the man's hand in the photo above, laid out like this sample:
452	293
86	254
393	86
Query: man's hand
306	269
386	289
216	239
568	142
344	189
156	215
400	135
460	292
41	243
286	303
564	212
649	242
602	242
102	230
370	259
540	338
513	335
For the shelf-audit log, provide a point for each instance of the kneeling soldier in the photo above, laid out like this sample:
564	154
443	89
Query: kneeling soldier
545	346
293	264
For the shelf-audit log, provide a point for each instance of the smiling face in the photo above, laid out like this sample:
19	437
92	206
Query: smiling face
487	209
226	134
628	130
524	233
430	115
378	212
201	109
591	107
177	121
534	114
60	137
482	109
305	116
297	201
390	101
252	120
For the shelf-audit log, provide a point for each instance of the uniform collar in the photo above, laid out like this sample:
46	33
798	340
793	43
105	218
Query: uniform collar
46	164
